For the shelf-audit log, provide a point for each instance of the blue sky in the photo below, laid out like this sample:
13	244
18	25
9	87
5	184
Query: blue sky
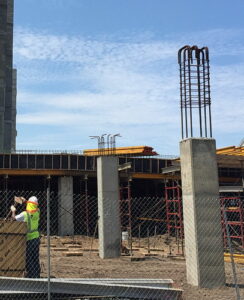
88	67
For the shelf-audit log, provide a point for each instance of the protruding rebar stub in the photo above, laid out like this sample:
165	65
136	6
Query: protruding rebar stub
195	92
106	145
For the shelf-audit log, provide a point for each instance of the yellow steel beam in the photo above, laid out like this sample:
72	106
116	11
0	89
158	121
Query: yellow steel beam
225	149
236	151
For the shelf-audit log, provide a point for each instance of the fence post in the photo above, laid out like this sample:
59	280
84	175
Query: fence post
48	240
231	254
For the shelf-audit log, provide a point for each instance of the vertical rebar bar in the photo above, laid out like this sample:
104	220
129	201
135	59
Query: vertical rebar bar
199	92
190	98
108	144
185	94
208	89
181	103
204	94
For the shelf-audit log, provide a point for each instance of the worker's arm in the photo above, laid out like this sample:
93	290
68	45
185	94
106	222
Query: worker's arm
19	217
13	210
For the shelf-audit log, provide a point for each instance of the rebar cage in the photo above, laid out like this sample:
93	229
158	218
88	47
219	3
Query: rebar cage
195	92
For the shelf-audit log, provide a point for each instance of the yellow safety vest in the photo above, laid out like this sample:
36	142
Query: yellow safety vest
32	217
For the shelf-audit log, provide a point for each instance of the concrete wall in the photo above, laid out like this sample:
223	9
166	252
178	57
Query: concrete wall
201	207
108	207
65	210
7	118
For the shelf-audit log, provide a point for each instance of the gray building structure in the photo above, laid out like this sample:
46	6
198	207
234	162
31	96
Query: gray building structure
8	79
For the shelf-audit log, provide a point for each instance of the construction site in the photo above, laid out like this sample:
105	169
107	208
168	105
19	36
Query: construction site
122	222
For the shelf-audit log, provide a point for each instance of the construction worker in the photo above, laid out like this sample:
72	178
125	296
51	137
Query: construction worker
31	216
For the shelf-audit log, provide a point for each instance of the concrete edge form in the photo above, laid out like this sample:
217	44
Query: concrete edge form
62	286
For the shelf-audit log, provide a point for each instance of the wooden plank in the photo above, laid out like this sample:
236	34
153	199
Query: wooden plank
69	253
89	250
151	254
73	246
45	245
236	260
59	249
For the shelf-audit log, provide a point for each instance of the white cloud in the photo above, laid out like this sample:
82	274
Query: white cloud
87	86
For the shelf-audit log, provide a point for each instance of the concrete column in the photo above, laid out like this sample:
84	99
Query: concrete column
108	207
202	215
7	105
65	209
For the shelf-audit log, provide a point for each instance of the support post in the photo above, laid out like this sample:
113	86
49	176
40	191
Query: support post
202	215
48	241
108	207
65	208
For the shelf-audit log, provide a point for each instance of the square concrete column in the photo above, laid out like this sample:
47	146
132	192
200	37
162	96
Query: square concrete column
202	214
65	207
108	207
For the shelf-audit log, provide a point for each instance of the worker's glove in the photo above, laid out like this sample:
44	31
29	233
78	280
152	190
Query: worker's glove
13	209
23	199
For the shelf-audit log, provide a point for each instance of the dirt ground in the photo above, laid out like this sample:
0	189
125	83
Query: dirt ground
78	258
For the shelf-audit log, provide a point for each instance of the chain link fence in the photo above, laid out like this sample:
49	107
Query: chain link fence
152	253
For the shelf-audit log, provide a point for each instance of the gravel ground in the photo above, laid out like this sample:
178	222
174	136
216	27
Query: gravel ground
91	266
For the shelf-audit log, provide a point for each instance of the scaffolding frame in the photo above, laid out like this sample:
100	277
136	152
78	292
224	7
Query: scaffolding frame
234	209
125	207
174	213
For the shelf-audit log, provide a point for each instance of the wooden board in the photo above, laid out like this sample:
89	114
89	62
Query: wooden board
59	249
12	248
69	253
73	246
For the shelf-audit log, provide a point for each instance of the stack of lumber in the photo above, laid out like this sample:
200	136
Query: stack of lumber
12	248
134	150
238	258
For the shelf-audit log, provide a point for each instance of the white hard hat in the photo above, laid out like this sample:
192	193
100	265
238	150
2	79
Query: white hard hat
33	199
